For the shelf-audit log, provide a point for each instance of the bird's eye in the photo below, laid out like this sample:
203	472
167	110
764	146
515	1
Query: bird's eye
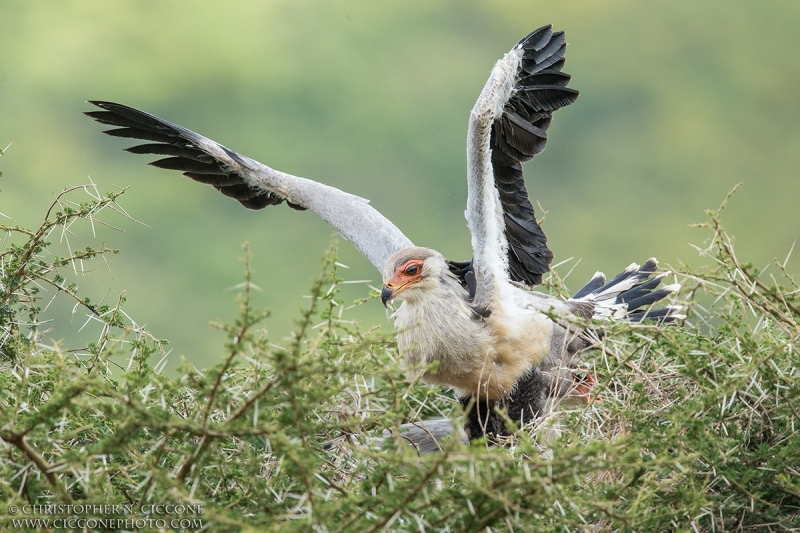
412	270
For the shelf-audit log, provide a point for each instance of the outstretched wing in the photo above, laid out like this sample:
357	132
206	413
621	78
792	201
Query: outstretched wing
254	185
508	126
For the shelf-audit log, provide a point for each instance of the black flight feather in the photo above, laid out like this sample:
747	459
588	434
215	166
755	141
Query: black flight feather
638	297
519	134
171	149
241	191
647	299
213	179
184	155
141	133
189	165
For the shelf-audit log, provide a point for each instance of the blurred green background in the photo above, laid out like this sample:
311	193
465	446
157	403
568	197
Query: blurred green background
679	102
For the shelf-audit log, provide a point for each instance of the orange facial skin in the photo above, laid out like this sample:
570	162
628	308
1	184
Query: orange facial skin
406	275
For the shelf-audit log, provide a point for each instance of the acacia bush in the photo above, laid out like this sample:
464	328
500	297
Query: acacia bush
693	428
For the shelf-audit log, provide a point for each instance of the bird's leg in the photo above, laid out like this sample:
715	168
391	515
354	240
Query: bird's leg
584	384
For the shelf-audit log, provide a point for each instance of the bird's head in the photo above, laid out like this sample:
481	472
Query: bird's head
411	272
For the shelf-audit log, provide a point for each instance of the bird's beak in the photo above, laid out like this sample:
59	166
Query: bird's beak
386	294
392	288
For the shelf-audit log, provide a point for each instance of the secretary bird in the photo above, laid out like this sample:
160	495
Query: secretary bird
492	339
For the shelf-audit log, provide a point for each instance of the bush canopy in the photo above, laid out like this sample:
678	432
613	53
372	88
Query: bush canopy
693	427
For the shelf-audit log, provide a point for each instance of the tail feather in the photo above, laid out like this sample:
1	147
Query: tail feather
626	280
664	315
649	298
641	289
628	293
597	281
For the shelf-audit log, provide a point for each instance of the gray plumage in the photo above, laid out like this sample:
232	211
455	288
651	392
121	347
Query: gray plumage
473	325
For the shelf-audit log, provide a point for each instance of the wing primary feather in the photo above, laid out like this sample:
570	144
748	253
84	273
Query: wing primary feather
664	315
189	165
136	133
253	184
639	290
549	98
214	179
139	117
647	299
240	191
112	119
547	77
519	133
555	47
537	38
261	201
171	149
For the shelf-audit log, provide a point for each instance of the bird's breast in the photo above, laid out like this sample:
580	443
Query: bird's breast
450	346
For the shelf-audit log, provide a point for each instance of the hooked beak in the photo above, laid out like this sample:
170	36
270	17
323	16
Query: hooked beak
386	294
391	289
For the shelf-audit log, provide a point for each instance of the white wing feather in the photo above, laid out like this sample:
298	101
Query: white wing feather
484	212
365	227
252	183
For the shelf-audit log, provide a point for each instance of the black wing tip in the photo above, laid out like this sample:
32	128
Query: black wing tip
108	115
597	281
651	265
104	104
535	37
140	149
94	114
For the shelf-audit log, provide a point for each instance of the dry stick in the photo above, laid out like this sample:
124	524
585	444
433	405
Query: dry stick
720	237
65	290
768	308
21	443
780	295
730	253
187	465
15	229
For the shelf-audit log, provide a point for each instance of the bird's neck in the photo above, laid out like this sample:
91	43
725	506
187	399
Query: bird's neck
439	326
441	336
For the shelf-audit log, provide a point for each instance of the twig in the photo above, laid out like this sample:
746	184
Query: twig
20	441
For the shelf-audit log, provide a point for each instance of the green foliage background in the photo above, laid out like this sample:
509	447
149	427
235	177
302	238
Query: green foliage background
680	101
